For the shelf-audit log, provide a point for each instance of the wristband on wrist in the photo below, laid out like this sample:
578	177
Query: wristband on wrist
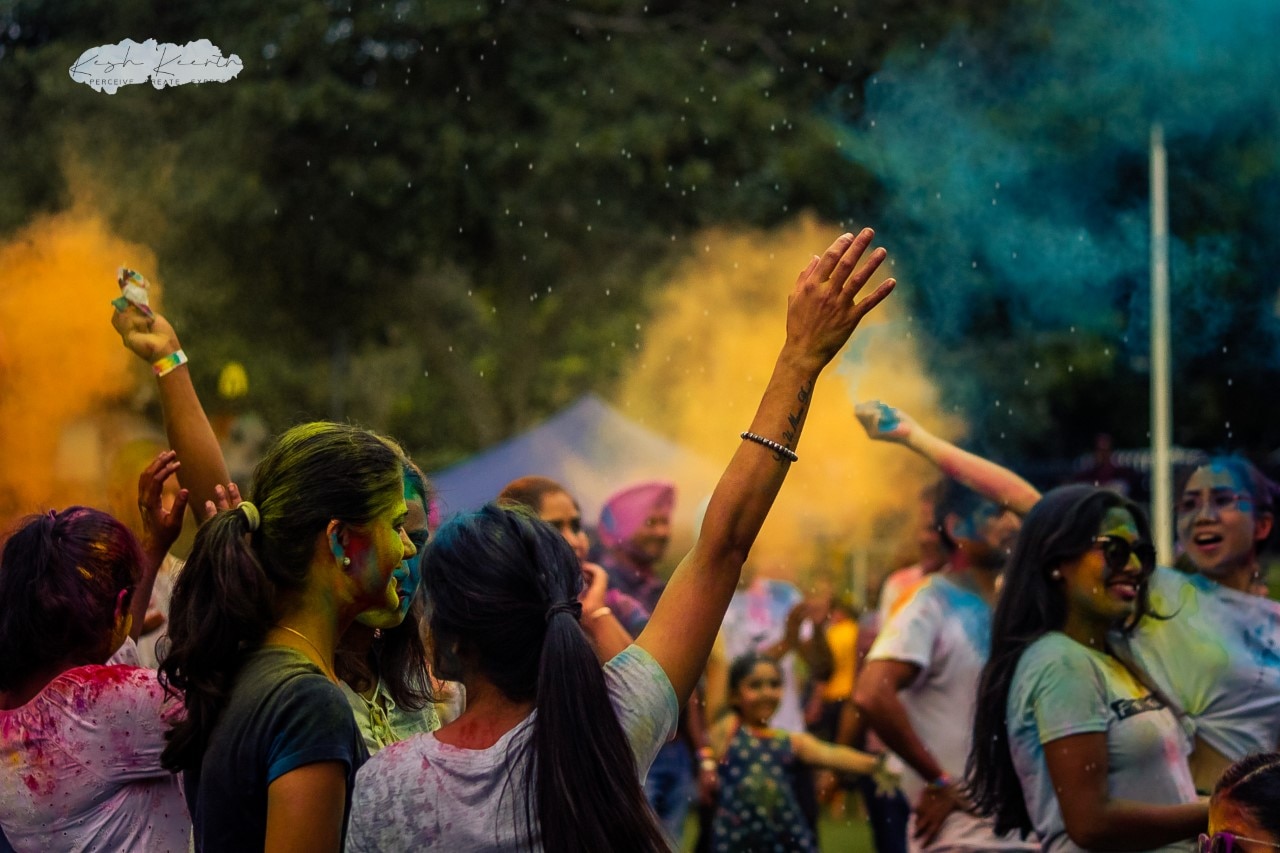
600	611
169	363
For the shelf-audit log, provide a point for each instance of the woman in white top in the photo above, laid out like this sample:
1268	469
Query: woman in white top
80	741
551	748
1069	741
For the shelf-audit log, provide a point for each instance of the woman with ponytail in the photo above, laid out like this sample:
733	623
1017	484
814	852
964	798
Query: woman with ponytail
551	749
268	747
80	741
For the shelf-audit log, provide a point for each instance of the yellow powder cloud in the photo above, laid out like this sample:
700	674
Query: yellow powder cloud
706	357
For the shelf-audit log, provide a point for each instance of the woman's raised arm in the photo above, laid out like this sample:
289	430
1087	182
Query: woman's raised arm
822	312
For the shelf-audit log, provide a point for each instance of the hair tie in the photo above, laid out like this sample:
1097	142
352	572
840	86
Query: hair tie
573	607
251	515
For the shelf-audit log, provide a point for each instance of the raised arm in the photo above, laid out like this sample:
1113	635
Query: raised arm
885	423
153	339
160	528
821	314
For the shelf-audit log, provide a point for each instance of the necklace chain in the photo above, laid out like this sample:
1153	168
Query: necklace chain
326	670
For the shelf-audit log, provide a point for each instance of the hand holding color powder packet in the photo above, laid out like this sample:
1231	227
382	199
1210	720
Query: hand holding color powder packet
133	291
877	417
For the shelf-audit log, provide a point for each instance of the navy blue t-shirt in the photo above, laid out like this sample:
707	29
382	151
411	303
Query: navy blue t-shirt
283	714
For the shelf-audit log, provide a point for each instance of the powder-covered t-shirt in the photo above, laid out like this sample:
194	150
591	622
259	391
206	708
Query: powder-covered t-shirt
756	619
80	765
1218	656
421	794
283	714
382	722
1062	688
945	629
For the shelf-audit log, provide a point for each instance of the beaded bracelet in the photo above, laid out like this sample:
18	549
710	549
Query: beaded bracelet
785	452
168	364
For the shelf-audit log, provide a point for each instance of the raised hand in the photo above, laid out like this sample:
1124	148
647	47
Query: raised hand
823	310
160	527
150	338
224	498
883	422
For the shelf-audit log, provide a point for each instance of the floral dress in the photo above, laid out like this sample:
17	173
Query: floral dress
758	811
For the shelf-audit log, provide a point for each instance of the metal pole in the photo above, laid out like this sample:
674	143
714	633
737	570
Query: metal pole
1161	408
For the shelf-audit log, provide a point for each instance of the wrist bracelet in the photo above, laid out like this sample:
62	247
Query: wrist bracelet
708	764
169	363
783	451
943	781
600	611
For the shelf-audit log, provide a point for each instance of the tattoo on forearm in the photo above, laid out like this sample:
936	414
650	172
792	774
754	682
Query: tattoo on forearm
795	418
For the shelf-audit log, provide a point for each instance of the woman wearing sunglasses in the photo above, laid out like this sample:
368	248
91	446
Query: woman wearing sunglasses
1217	654
1070	740
1244	814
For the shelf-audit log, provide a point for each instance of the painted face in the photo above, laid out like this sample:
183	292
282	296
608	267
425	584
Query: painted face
377	550
649	543
1217	524
987	535
559	510
1227	816
408	575
758	695
1096	588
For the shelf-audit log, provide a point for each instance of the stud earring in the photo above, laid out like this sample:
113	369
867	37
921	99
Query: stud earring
1056	575
346	561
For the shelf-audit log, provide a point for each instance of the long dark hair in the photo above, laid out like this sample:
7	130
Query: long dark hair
61	574
399	657
1253	784
235	583
501	587
1060	528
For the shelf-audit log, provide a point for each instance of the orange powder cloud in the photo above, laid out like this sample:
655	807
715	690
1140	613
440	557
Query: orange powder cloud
61	363
705	359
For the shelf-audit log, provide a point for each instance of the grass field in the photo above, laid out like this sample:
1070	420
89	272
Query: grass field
849	835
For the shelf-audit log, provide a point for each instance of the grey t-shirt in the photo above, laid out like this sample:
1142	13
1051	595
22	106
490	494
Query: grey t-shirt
421	794
1061	688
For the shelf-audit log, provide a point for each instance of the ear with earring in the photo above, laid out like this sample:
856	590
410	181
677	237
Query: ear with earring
336	547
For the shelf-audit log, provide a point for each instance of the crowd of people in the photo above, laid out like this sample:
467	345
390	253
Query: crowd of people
336	667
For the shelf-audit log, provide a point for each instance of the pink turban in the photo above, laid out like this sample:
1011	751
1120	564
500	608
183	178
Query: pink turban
626	511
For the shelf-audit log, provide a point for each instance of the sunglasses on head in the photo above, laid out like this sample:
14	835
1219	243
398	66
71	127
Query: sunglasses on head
1225	842
1117	551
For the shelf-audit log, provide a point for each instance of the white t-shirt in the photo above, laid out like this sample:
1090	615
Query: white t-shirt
1218	656
421	794
80	766
1061	688
945	630
756	618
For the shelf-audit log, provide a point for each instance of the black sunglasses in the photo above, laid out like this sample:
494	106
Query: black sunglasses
1117	551
1225	842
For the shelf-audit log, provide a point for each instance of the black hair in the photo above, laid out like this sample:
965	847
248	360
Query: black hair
951	497
1253	784
501	587
742	667
61	574
1060	528
236	581
529	492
